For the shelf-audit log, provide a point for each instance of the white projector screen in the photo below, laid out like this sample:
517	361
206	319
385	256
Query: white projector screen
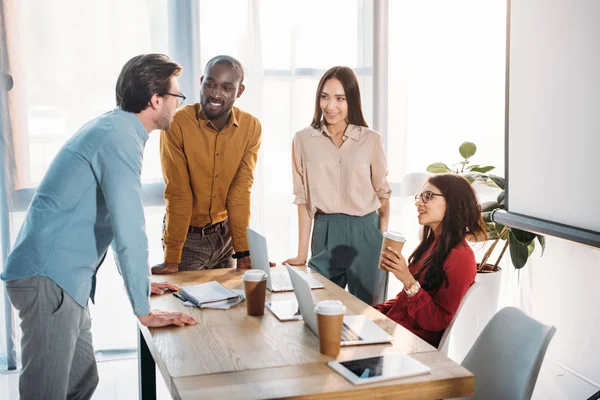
553	115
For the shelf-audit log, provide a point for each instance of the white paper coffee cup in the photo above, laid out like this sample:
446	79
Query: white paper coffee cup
392	239
330	319
330	307
254	275
255	289
395	236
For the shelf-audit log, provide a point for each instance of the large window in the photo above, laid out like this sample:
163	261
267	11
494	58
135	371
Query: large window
446	83
71	53
286	46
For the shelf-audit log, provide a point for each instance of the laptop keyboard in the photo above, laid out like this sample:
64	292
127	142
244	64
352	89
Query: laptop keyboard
281	281
349	335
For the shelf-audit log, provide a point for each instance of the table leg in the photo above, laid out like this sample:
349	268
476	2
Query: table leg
147	370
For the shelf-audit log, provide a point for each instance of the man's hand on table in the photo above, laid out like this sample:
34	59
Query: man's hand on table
245	263
158	318
159	288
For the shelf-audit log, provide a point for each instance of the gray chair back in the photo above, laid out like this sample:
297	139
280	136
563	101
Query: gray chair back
445	341
507	356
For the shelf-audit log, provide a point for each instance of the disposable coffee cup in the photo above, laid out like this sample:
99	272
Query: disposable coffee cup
255	290
330	318
395	240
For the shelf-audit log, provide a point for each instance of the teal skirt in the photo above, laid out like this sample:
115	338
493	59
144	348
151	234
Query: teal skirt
346	250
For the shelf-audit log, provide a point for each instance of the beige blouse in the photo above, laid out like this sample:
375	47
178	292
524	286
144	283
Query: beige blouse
348	180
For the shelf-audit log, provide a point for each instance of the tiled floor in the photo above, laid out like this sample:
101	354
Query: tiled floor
118	381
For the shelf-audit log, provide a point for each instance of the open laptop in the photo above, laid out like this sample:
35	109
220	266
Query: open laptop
277	281
357	329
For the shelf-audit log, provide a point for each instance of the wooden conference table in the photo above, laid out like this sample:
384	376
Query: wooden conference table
230	355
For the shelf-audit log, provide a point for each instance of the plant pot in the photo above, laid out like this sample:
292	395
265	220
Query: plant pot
476	313
486	268
490	280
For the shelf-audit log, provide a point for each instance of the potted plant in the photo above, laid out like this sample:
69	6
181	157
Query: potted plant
520	243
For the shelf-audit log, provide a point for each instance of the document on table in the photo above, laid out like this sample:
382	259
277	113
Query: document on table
210	295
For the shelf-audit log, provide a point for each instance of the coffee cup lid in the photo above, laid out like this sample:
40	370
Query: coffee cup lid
254	275
397	236
330	307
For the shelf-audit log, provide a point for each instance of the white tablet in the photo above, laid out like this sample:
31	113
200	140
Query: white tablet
373	369
285	310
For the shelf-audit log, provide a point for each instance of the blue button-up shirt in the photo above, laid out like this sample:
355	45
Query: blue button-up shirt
91	196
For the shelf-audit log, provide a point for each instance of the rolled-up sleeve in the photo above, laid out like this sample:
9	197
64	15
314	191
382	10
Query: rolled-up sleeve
298	172
379	171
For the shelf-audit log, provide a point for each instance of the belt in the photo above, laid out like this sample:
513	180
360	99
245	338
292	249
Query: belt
207	230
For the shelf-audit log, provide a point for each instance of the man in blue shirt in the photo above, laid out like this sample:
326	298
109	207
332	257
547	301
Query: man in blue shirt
89	198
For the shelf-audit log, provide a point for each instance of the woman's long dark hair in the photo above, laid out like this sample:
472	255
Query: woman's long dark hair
462	218
349	82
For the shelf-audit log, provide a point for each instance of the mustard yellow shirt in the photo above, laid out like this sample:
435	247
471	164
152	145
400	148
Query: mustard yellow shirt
208	175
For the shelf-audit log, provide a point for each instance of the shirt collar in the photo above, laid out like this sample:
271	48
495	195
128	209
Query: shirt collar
352	131
233	118
139	127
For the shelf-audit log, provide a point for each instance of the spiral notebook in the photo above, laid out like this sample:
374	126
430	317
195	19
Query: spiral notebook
210	295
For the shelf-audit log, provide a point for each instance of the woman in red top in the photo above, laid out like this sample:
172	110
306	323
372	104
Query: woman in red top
442	267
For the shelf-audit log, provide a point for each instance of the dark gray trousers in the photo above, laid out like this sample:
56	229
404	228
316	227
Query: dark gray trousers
56	348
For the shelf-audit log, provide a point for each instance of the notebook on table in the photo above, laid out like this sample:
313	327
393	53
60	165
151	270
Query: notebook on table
209	295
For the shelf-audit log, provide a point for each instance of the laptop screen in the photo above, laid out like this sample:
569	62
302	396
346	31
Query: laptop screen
258	253
305	299
258	250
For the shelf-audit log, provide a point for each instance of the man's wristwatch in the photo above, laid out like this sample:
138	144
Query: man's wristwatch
241	254
413	289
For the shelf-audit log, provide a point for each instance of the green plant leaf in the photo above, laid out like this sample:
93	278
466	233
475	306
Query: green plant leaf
489	206
491	231
487	217
499	228
467	150
438	168
530	248
483	170
542	241
498	180
473	166
470	177
519	252
523	236
501	199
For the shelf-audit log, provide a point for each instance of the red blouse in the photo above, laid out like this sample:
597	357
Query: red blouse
426	314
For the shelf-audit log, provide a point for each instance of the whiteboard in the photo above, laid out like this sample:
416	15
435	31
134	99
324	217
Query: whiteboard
553	111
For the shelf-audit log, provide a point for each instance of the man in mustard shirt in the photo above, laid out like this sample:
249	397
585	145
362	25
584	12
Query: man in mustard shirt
208	158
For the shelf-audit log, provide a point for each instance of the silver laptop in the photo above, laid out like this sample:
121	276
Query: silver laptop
357	329
277	281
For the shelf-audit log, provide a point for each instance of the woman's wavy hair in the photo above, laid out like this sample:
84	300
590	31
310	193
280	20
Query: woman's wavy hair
462	218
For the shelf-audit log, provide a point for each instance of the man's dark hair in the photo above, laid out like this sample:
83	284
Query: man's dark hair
142	77
226	60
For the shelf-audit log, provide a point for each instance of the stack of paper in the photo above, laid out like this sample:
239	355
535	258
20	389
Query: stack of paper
210	295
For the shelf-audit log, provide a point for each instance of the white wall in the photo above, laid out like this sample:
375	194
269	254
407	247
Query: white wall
565	294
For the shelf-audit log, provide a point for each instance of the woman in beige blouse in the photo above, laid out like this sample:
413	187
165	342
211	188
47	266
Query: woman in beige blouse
340	182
